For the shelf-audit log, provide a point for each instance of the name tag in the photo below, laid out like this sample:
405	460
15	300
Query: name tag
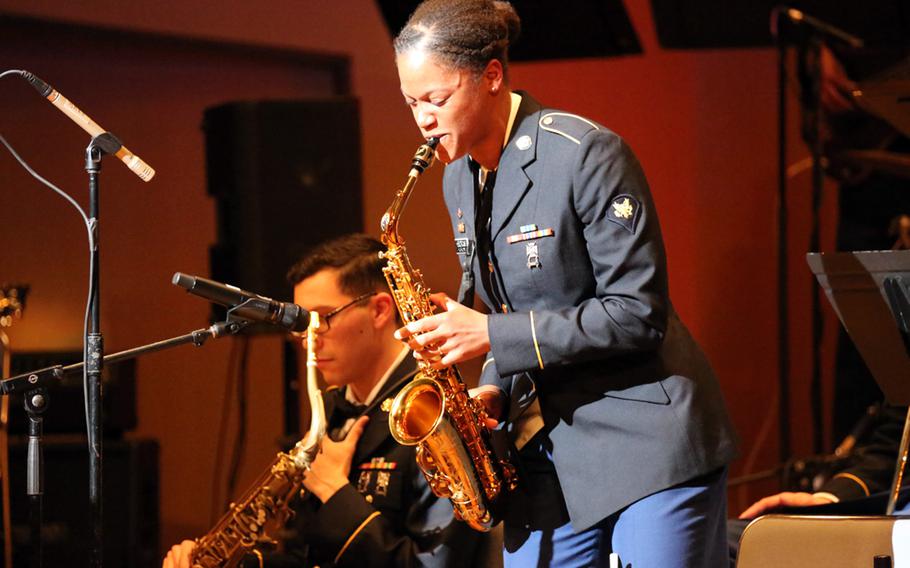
464	246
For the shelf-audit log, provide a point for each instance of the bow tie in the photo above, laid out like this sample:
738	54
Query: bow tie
345	409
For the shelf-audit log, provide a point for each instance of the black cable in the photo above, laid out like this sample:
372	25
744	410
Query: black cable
243	381
217	504
91	246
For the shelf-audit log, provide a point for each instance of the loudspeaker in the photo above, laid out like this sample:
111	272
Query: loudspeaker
285	175
129	502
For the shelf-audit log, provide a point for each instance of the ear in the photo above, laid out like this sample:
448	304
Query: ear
494	76
383	309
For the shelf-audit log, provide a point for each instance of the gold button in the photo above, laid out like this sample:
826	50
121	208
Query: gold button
369	498
548	120
505	309
490	266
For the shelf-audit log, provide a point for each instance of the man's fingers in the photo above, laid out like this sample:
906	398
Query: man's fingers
179	555
760	507
356	431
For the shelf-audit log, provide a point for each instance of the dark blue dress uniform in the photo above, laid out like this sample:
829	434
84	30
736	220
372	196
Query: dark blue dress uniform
572	265
386	515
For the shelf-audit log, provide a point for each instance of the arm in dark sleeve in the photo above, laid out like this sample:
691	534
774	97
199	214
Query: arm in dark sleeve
872	469
628	308
357	534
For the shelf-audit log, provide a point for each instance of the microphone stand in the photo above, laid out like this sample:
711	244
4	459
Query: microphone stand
815	32
101	145
809	64
35	383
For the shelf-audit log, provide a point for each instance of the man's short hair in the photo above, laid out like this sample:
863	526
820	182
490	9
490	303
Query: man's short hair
355	256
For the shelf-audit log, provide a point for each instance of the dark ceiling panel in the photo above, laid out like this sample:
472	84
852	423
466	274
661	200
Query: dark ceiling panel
694	24
567	29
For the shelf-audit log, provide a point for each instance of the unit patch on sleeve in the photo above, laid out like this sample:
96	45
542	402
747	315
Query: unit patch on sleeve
625	211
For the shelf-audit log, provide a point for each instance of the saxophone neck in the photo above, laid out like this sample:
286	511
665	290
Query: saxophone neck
423	159
306	449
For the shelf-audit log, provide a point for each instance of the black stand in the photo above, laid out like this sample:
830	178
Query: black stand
810	71
790	26
783	298
94	348
35	384
869	292
35	402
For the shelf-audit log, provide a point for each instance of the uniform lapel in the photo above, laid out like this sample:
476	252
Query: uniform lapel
377	430
511	180
460	189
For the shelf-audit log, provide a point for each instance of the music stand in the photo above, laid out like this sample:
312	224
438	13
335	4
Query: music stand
870	291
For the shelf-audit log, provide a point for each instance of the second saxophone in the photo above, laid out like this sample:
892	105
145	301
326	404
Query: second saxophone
265	507
434	411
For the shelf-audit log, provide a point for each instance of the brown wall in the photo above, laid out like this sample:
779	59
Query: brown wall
702	123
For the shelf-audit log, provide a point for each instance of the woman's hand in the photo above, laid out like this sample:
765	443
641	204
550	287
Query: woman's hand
456	334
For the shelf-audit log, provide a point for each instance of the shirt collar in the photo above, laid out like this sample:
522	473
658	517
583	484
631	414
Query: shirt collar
514	104
349	392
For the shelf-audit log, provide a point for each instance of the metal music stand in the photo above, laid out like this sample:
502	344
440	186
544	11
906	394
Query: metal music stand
870	291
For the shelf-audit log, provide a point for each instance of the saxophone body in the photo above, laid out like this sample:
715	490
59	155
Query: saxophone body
434	411
265	507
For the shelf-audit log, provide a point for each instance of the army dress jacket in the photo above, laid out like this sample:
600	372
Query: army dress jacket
386	515
581	317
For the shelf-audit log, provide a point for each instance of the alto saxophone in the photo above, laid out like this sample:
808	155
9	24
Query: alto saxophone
434	411
265	507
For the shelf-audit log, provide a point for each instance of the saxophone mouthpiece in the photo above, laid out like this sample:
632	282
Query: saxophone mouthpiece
432	142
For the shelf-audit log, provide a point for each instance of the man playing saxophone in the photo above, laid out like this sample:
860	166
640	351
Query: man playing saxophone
368	503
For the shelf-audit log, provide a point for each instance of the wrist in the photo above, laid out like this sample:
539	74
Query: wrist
325	490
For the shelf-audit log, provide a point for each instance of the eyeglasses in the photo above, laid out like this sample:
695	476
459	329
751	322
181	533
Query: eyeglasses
324	320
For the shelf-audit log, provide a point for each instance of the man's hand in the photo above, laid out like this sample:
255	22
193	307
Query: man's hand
330	470
179	555
836	88
785	499
456	334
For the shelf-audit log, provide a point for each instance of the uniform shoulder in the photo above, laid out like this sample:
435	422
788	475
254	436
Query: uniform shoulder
568	125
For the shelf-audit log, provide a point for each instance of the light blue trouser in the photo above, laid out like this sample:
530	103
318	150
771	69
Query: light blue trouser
680	527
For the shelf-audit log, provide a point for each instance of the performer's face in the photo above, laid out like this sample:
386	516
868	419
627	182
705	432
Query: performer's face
454	105
344	351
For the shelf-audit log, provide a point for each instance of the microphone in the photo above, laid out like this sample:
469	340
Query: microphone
132	161
246	304
799	18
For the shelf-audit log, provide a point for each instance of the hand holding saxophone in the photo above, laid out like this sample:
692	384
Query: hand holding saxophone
450	336
330	470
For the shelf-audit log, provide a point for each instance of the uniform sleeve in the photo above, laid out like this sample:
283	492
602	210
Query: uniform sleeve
872	469
360	536
627	308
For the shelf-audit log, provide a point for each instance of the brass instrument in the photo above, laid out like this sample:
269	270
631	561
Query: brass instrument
434	411
265	507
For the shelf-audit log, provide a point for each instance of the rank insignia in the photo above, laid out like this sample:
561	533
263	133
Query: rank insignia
625	211
459	213
386	405
382	483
